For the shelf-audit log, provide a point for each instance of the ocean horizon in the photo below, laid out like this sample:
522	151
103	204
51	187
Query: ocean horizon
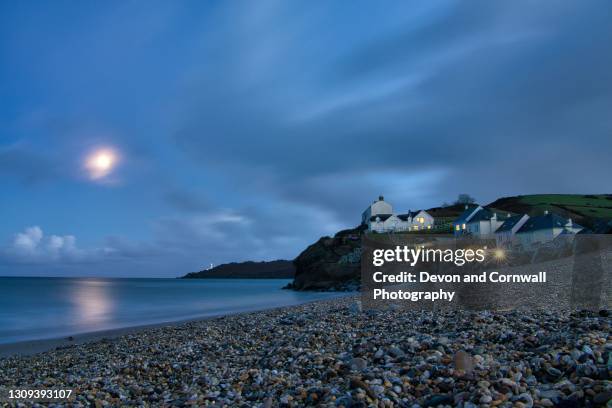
37	308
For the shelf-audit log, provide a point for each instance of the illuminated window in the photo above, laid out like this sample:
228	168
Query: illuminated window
429	227
458	227
416	227
463	226
422	220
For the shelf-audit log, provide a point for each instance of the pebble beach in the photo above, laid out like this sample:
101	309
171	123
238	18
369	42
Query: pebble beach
332	353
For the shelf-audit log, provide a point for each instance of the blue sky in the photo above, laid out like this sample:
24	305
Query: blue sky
246	130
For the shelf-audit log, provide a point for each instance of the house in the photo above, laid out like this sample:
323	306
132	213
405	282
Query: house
379	217
418	220
484	223
460	224
505	235
384	223
377	208
545	228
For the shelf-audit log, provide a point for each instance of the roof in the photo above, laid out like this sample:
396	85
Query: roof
546	221
383	217
466	214
509	223
409	214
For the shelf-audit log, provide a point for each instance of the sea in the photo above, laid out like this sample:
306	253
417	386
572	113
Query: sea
45	308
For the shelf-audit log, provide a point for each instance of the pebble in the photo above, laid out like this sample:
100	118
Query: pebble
321	354
358	364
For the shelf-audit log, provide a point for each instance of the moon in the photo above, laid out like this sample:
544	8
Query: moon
101	162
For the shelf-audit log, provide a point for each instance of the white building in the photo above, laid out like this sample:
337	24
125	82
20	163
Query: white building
377	208
417	220
379	217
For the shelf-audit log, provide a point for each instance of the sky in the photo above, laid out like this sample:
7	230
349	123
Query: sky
247	130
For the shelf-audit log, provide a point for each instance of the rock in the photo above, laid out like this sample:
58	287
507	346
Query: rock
358	383
330	263
463	361
358	364
550	394
526	399
602	397
438	399
396	352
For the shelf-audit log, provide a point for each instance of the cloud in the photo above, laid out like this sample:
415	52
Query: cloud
472	88
27	242
33	246
26	166
185	200
260	232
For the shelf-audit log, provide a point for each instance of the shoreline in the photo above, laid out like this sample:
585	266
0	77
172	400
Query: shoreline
331	353
36	346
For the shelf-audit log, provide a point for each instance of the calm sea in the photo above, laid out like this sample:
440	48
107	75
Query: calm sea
40	308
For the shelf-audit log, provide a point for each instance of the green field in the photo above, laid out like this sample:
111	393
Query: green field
598	206
582	208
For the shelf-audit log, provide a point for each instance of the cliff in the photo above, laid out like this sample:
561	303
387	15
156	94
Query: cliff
331	263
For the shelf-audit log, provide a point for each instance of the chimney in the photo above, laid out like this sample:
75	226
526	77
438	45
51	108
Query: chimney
570	223
381	198
545	212
508	215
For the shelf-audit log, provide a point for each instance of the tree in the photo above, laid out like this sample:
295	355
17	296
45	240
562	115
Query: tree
465	199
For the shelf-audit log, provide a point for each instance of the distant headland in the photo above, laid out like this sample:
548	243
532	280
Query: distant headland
278	269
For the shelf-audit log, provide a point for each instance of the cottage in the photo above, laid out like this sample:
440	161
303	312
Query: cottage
484	223
377	208
460	224
505	236
385	223
545	228
417	220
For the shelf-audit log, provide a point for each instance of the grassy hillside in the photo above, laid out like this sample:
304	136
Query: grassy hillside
584	209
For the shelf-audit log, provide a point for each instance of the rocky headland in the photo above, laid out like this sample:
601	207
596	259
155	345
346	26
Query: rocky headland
279	269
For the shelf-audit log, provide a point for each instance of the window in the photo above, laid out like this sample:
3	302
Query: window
429	227
422	220
463	226
458	227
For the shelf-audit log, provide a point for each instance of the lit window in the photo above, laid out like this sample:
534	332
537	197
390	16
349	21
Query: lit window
463	226
422	220
458	227
429	227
